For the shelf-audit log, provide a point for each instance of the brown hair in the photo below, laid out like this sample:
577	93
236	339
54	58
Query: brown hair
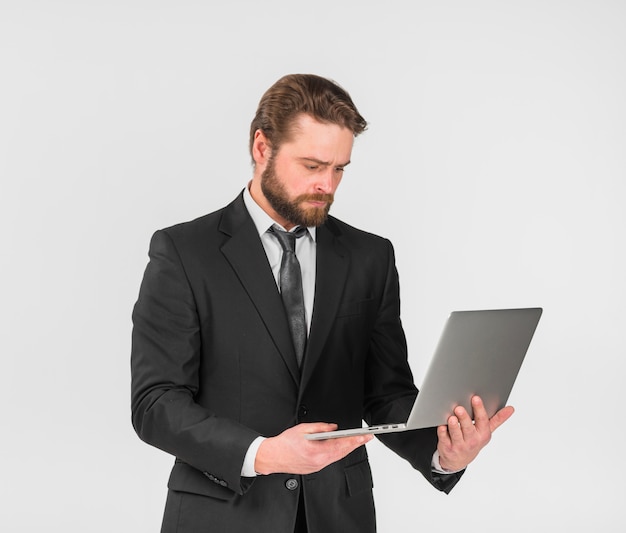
295	94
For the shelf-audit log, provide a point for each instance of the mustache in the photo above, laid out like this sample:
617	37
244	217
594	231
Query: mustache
328	198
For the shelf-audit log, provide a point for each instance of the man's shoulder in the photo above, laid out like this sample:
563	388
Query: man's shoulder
203	224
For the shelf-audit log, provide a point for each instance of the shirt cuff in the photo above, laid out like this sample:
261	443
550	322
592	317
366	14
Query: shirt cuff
436	466
247	470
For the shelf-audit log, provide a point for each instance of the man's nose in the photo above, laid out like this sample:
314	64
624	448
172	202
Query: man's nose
325	181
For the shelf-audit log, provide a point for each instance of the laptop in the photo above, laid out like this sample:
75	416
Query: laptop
479	352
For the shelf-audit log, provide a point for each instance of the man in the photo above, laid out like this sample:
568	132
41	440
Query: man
219	376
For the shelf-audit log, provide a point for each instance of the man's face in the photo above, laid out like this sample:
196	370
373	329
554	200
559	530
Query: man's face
300	179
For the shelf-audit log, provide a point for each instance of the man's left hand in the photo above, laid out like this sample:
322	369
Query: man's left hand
462	439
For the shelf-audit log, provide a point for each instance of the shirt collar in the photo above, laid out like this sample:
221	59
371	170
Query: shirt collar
261	219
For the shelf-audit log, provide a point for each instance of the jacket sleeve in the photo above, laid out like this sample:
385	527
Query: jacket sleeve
165	359
390	389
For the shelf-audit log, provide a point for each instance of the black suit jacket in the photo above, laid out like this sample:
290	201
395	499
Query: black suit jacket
213	367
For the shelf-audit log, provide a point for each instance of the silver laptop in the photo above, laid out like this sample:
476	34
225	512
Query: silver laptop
479	352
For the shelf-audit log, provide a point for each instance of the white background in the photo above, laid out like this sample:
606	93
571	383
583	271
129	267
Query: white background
495	161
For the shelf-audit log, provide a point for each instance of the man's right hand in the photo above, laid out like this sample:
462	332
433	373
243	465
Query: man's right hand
291	453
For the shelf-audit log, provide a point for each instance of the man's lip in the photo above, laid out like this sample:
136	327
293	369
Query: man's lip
317	203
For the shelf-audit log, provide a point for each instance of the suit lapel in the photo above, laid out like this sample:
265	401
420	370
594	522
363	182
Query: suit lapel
245	253
330	277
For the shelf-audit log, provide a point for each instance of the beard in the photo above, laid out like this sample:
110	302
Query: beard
291	209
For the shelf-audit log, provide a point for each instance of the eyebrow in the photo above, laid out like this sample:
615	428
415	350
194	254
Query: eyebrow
322	163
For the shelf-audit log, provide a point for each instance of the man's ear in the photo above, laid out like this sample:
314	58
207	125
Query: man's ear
261	148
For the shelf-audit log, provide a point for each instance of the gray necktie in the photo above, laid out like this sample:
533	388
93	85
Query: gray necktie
290	280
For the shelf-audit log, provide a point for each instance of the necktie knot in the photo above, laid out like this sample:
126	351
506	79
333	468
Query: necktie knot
287	239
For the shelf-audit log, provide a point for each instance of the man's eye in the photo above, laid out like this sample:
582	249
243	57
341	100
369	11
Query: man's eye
312	167
339	169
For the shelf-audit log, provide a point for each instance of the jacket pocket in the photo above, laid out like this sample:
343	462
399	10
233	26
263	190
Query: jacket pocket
359	477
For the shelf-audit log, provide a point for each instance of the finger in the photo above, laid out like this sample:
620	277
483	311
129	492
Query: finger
316	427
350	443
354	442
454	430
480	414
444	436
500	417
340	447
465	420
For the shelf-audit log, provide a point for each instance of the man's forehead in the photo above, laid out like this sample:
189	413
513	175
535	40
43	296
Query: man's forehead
319	139
304	122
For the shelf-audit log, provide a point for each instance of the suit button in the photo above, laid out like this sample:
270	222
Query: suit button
291	483
303	411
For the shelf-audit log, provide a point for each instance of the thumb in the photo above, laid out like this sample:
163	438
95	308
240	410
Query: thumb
317	427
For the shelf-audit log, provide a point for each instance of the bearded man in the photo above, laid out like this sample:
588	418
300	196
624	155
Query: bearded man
242	345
